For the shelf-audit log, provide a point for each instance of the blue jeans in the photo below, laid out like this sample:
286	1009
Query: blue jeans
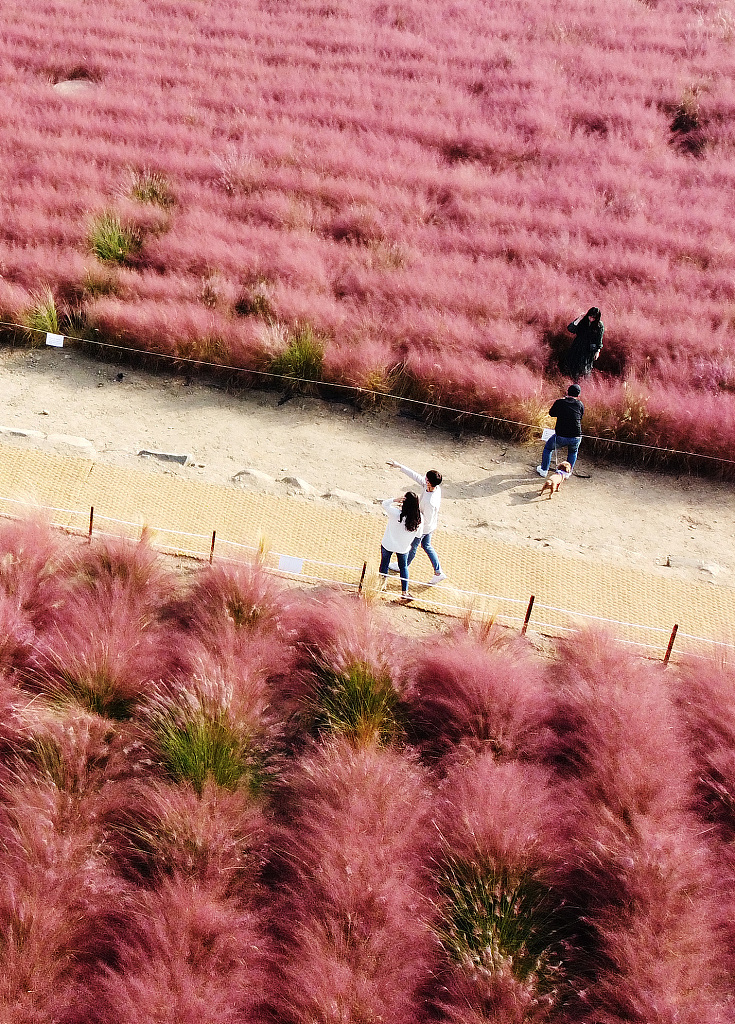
385	557
570	443
425	543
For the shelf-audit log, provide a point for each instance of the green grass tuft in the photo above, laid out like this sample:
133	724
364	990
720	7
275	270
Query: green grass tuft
494	920
303	356
197	743
357	703
113	242
43	315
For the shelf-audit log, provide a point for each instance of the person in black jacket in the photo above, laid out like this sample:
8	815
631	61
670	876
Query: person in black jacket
568	412
587	345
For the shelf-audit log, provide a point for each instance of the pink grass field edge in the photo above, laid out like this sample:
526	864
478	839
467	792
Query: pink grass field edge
433	188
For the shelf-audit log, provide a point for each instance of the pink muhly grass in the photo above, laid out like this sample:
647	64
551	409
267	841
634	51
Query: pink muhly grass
705	695
103	652
636	866
243	600
228	626
60	903
80	753
186	955
30	559
704	692
479	696
216	839
17	636
211	730
516	828
498	999
614	730
352	911
15	714
102	647
135	566
344	676
500	923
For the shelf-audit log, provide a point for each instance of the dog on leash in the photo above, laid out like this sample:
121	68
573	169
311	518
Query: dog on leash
553	483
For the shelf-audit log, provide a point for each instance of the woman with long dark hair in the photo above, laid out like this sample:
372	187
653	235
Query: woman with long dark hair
404	525
587	345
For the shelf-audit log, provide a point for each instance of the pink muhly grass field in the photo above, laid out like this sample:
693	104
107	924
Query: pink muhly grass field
444	188
186	955
500	837
705	697
189	848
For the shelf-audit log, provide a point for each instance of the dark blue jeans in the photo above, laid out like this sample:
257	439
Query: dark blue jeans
425	543
555	441
385	557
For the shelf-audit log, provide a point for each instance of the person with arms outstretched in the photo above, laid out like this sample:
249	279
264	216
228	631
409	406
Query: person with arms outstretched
429	501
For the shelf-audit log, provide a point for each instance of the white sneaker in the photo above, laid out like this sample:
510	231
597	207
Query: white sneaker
438	577
392	568
541	472
407	597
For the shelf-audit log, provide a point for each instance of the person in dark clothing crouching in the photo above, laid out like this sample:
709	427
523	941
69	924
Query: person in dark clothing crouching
568	412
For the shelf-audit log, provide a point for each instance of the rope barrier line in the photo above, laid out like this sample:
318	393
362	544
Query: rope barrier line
316	579
47	508
600	618
705	640
355	388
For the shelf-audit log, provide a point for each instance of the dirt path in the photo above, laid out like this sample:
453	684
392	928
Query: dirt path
609	515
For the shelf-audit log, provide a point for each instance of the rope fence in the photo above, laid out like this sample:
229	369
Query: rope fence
57	340
546	619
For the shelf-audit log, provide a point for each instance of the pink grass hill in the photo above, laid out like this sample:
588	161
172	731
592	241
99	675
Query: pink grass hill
435	190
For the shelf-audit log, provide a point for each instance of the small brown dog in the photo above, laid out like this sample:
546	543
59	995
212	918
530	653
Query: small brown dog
554	482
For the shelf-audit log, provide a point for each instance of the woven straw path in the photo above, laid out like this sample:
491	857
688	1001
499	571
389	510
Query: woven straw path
330	543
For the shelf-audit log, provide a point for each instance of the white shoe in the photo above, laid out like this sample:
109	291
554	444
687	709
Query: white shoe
541	472
392	568
438	577
407	597
383	582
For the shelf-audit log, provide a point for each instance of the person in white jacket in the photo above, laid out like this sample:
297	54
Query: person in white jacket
405	525
429	502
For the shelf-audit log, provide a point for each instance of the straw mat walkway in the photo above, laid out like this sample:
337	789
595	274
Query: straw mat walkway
322	541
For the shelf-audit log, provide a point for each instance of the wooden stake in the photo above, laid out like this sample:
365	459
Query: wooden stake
674	631
211	550
528	615
362	577
91	520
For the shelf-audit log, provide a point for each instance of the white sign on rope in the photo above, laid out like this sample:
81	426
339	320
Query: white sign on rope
287	563
55	340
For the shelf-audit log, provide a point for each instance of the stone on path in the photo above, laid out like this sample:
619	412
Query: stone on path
183	460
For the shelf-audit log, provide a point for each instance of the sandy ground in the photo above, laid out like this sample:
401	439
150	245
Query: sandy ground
682	526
